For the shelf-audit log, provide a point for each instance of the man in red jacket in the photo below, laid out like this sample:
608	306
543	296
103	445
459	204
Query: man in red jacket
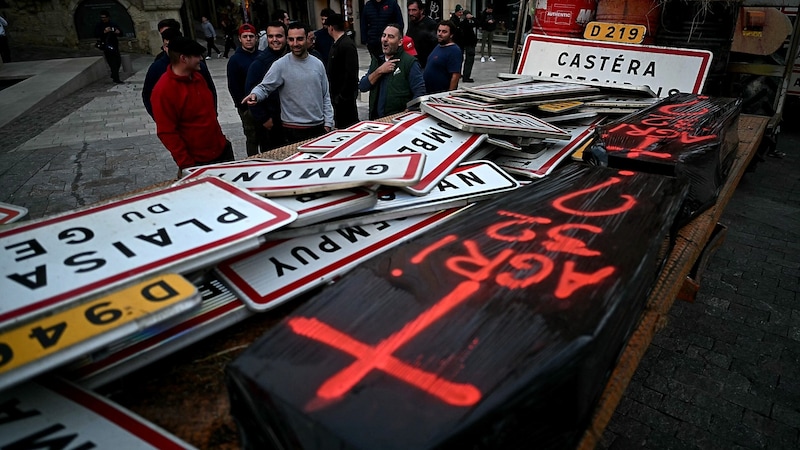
183	108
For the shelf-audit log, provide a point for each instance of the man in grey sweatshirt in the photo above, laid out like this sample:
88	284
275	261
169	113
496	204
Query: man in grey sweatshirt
306	110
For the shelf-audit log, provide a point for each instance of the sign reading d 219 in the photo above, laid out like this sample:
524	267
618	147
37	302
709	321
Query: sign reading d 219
665	70
49	263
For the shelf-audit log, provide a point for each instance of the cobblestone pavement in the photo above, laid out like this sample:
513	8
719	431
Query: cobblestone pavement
724	373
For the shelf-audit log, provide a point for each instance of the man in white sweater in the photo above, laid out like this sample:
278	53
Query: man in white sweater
306	109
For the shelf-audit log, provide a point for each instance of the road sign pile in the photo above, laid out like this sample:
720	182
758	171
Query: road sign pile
102	291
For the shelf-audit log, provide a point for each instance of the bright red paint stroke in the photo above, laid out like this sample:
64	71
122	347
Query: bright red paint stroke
380	357
629	201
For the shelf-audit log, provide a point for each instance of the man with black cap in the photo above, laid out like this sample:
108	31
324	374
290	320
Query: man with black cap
342	71
169	29
184	111
238	66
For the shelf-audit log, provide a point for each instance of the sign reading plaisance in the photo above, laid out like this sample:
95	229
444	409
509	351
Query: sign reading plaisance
284	178
33	347
475	120
280	270
51	262
53	413
665	70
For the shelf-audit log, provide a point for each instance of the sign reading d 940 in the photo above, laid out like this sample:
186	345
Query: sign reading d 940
49	263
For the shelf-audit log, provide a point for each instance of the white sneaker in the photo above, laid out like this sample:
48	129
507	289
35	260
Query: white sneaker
491	58
208	57
483	59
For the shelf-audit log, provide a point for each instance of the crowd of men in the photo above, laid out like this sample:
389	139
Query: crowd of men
291	83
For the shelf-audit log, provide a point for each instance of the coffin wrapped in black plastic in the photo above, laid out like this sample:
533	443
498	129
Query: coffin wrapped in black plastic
690	136
497	329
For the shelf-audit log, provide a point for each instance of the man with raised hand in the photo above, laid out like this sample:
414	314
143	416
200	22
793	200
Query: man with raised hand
394	78
306	110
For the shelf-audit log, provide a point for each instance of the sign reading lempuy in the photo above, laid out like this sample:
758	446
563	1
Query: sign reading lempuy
665	70
52	413
284	178
280	270
49	263
475	120
443	146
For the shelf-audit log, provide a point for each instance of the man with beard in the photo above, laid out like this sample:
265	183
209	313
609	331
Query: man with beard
342	71
186	119
422	30
238	66
267	114
444	64
394	79
306	110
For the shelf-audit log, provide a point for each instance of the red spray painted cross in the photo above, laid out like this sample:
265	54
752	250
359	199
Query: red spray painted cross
476	268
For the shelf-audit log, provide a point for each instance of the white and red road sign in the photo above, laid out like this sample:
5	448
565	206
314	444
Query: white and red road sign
329	141
542	163
284	178
475	120
280	270
53	413
321	206
468	183
48	264
11	213
665	70
370	125
443	146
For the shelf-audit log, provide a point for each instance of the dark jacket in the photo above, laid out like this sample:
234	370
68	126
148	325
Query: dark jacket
374	18
483	19
157	69
467	32
424	35
238	64
324	43
342	70
399	89
271	107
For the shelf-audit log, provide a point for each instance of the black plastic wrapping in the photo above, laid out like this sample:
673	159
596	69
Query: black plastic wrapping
498	329
689	136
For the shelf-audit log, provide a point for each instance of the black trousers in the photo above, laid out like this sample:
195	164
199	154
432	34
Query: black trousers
301	134
5	51
114	60
210	45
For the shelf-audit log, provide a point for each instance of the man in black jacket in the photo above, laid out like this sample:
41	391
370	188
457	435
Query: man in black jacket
342	71
469	40
106	33
422	29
